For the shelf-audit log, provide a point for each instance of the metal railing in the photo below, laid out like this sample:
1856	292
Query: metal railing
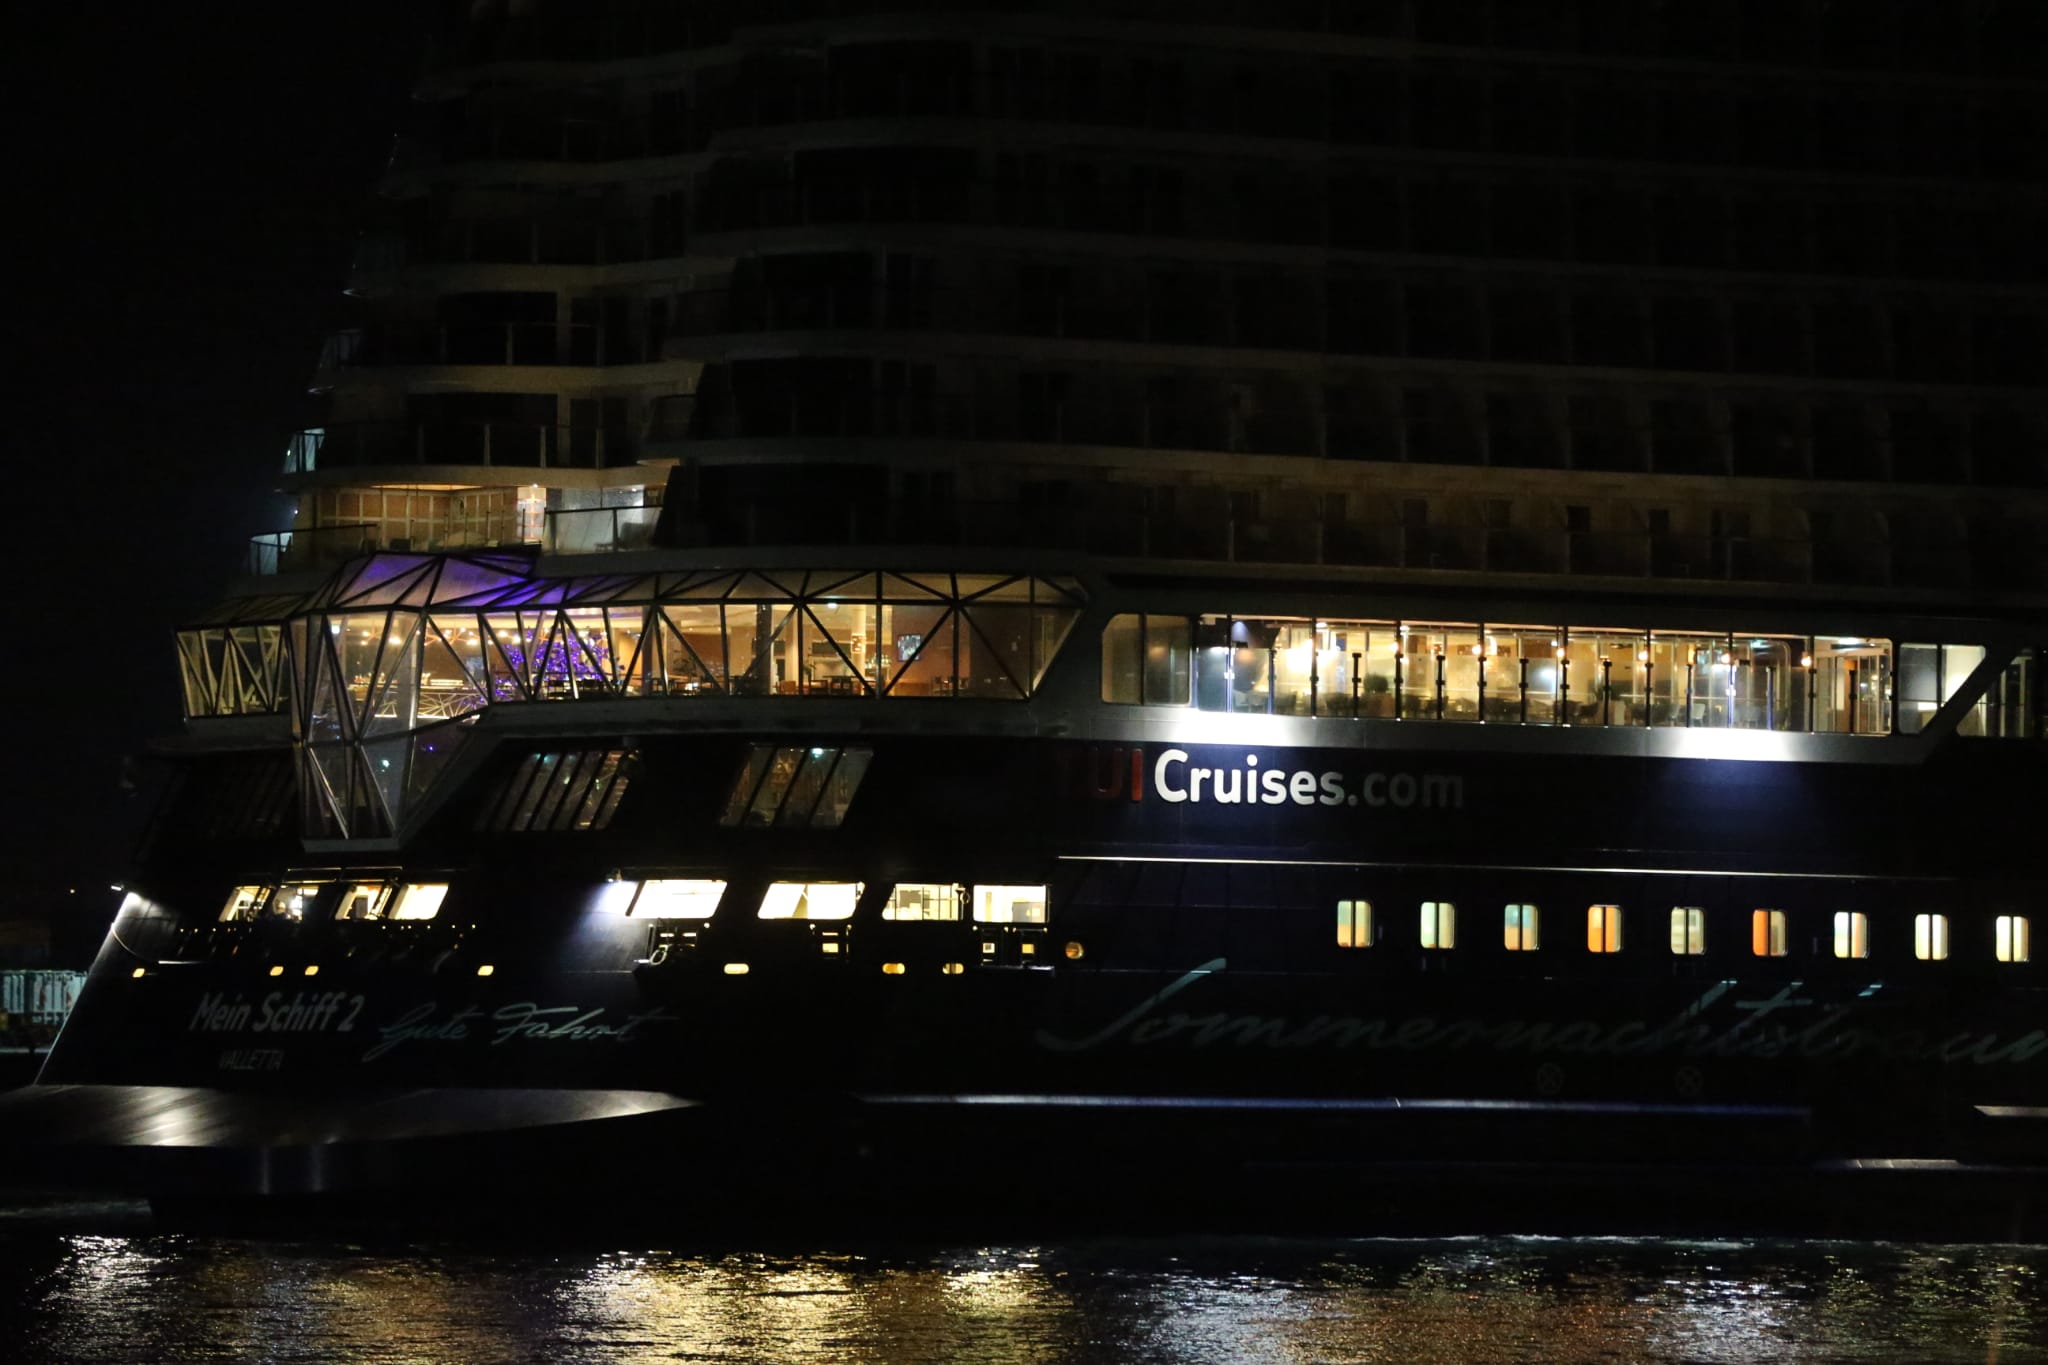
520	445
491	343
599	530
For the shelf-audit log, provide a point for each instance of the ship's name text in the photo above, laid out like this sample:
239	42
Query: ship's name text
277	1012
1781	1025
523	1020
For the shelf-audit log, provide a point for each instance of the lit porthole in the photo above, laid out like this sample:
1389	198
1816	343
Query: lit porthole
1075	952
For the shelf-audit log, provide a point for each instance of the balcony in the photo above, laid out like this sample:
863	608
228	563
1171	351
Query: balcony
506	343
511	445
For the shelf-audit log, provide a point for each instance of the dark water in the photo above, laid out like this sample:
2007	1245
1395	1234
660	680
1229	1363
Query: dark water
97	1283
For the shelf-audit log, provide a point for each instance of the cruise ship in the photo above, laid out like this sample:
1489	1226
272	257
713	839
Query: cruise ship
1430	612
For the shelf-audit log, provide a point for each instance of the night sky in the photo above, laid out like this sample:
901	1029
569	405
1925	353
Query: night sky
192	179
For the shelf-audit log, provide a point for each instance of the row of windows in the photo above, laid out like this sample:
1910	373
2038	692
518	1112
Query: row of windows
1769	931
700	898
576	790
296	901
1552	675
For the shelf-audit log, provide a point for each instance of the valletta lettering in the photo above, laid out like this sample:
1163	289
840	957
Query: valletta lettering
525	1020
1784	1025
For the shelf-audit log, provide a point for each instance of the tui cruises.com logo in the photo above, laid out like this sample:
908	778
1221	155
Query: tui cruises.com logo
1177	777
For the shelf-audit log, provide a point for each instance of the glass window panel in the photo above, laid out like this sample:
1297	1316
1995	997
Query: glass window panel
923	901
1767	933
768	797
294	900
598	788
419	900
995	651
752	769
451	668
1009	904
2013	938
1290	664
1851	680
693	649
917	645
364	900
358	641
810	900
565	790
1957	663
1464	649
541	786
1688	930
1123	651
1439	925
766	658
1930	937
838	585
394	697
997	590
1769	687
1168	658
194	674
1918	686
1420	647
909	588
1355	927
245	903
810	781
1518	929
624	628
512	640
839	644
1050	626
1852	934
1603	928
841	787
676	898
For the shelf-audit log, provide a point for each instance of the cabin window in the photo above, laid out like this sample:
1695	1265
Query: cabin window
1009	904
1355	928
1518	928
810	900
923	901
1767	933
1688	930
2014	939
1852	933
1603	928
1930	937
365	900
419	900
676	898
245	902
1439	925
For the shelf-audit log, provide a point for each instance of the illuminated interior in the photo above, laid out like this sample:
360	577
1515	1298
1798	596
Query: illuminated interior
1354	924
810	900
1930	937
1439	925
1852	934
1518	928
1767	933
1009	904
1688	930
1603	928
923	901
677	898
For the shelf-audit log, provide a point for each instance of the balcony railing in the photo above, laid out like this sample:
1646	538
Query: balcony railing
516	445
599	530
494	343
320	547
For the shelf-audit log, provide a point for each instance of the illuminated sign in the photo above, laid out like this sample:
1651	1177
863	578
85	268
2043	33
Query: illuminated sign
1179	777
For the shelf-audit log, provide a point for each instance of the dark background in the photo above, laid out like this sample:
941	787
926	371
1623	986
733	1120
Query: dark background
191	180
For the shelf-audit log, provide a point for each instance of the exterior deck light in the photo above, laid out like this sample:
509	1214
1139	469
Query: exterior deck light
485	970
953	968
736	969
312	969
277	970
892	969
139	973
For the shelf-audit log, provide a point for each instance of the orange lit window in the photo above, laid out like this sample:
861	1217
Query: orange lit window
1767	933
1852	933
1518	928
1354	924
1603	928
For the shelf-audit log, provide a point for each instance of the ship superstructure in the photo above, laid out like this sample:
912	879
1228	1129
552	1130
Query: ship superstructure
1383	579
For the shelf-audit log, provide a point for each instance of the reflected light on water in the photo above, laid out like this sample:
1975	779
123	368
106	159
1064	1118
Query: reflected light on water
150	1297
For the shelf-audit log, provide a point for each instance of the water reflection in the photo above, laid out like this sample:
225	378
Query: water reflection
142	1296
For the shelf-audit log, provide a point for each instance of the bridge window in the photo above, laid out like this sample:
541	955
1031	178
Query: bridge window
1439	925
676	898
1518	928
1852	934
1688	930
365	900
1767	936
245	903
2014	939
923	901
1603	928
1355	928
1009	904
419	900
810	900
1930	937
